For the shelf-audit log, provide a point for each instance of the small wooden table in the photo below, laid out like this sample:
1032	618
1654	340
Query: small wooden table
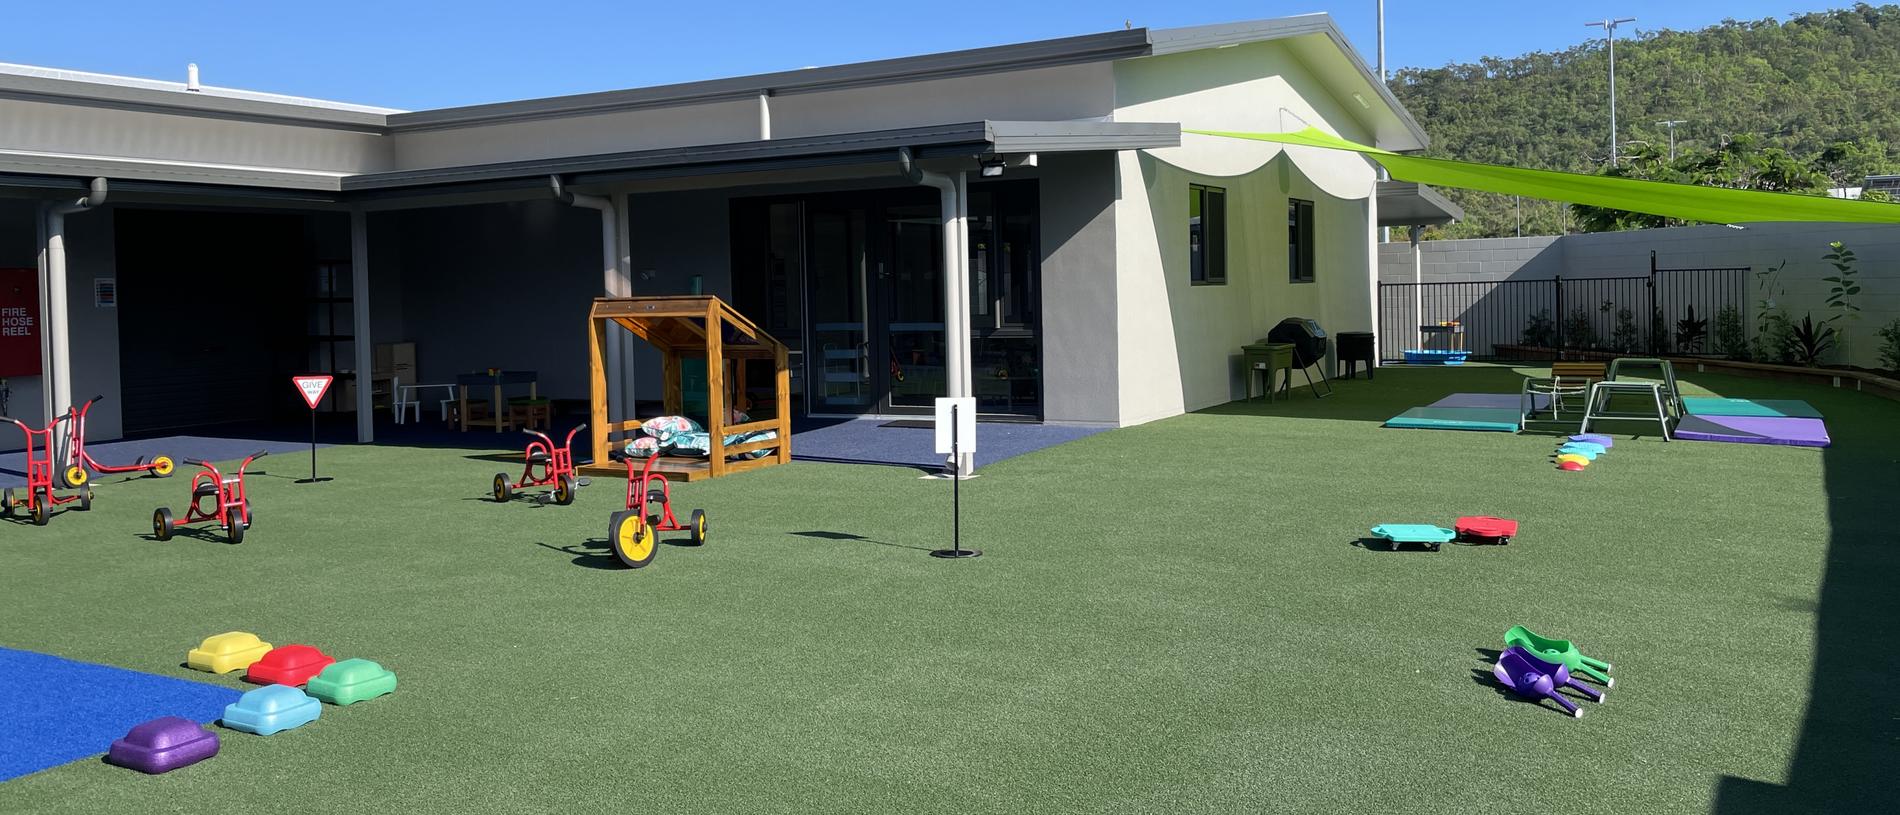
498	413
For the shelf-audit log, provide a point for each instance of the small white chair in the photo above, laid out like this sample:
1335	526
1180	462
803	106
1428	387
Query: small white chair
404	396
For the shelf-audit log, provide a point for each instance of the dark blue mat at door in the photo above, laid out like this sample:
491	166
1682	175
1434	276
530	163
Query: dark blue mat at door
54	710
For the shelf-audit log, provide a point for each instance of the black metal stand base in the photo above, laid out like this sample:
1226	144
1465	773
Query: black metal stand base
313	480
956	554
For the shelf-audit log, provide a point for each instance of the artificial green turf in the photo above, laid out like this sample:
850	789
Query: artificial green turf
1176	617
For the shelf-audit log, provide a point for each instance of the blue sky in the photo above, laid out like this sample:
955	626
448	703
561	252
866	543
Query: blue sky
434	54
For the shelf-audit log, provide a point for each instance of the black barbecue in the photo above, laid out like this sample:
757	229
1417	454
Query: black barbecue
1307	338
1309	350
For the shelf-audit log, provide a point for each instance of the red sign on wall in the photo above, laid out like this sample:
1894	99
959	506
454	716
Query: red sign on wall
19	322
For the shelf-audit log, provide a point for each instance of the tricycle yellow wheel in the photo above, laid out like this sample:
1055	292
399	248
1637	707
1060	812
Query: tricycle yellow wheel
76	476
163	466
699	527
632	538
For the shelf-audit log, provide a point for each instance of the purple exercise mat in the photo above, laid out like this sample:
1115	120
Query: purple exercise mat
1782	430
1490	400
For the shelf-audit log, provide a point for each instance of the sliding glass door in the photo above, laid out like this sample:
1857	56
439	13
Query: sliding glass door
869	309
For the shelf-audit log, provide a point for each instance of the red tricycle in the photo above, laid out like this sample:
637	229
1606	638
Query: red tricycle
80	464
631	531
214	497
556	465
41	495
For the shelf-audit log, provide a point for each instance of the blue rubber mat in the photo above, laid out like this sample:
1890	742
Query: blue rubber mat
54	710
1502	420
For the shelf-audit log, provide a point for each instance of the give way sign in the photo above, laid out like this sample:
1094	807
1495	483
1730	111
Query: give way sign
312	388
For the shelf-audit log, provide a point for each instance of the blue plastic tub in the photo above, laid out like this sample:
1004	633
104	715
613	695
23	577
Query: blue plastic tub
1418	357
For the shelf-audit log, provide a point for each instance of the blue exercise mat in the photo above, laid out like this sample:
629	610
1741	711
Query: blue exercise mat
54	710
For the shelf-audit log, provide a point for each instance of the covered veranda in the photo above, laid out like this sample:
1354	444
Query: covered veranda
365	221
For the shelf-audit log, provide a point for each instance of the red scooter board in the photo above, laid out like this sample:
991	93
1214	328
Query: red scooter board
1485	527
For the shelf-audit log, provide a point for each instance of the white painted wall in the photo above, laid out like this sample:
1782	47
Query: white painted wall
1179	344
46	127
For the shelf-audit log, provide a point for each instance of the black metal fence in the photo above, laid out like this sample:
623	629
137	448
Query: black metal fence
1668	311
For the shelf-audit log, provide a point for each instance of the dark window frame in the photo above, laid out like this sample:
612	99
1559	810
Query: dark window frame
1301	263
1207	235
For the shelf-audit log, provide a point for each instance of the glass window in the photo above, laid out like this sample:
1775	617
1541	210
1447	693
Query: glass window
1299	240
1207	235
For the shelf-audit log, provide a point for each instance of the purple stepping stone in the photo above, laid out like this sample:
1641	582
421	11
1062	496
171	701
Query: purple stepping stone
1595	438
162	745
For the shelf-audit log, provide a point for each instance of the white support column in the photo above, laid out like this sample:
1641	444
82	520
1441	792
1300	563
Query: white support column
56	377
765	115
46	321
622	344
360	334
1418	288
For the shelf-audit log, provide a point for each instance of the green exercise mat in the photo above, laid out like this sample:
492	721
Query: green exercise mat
1718	406
1503	420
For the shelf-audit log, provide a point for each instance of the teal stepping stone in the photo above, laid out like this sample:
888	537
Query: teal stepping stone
351	681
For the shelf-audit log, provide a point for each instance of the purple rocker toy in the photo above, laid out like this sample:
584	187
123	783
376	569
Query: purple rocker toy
163	744
1535	678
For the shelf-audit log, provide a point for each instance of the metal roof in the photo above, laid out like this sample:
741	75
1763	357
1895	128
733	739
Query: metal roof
22	82
1403	203
868	147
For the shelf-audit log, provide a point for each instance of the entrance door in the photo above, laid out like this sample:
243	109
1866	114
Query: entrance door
838	350
911	278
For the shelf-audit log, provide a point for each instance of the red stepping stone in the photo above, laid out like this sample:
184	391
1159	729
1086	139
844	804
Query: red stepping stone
288	665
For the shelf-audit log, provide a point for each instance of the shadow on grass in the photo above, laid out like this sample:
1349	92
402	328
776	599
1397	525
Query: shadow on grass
598	553
846	536
1849	742
1383	546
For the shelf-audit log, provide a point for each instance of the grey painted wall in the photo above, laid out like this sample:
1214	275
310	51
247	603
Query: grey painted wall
1080	374
94	332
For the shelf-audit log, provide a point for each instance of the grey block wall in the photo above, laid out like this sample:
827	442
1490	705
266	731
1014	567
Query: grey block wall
1484	259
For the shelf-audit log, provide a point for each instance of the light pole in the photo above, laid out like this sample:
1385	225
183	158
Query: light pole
1609	33
1671	124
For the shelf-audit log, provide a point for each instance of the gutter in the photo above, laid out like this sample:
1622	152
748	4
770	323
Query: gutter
956	311
56	349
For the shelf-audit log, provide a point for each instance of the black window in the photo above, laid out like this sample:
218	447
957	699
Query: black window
1207	235
1299	240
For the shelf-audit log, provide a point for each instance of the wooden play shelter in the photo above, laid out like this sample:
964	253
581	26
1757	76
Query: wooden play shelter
686	327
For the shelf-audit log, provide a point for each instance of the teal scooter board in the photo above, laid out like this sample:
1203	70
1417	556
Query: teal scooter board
1426	535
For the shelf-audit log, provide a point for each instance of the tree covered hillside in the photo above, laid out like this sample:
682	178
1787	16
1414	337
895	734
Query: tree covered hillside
1824	87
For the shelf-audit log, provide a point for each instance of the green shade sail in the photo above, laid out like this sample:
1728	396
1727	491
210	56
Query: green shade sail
1686	201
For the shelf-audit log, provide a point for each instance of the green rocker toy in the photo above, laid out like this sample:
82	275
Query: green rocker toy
1559	652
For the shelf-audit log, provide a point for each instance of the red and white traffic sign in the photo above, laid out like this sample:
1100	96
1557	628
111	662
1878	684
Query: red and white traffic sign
312	388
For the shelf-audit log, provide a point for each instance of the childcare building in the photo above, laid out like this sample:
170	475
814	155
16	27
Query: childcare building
1103	264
